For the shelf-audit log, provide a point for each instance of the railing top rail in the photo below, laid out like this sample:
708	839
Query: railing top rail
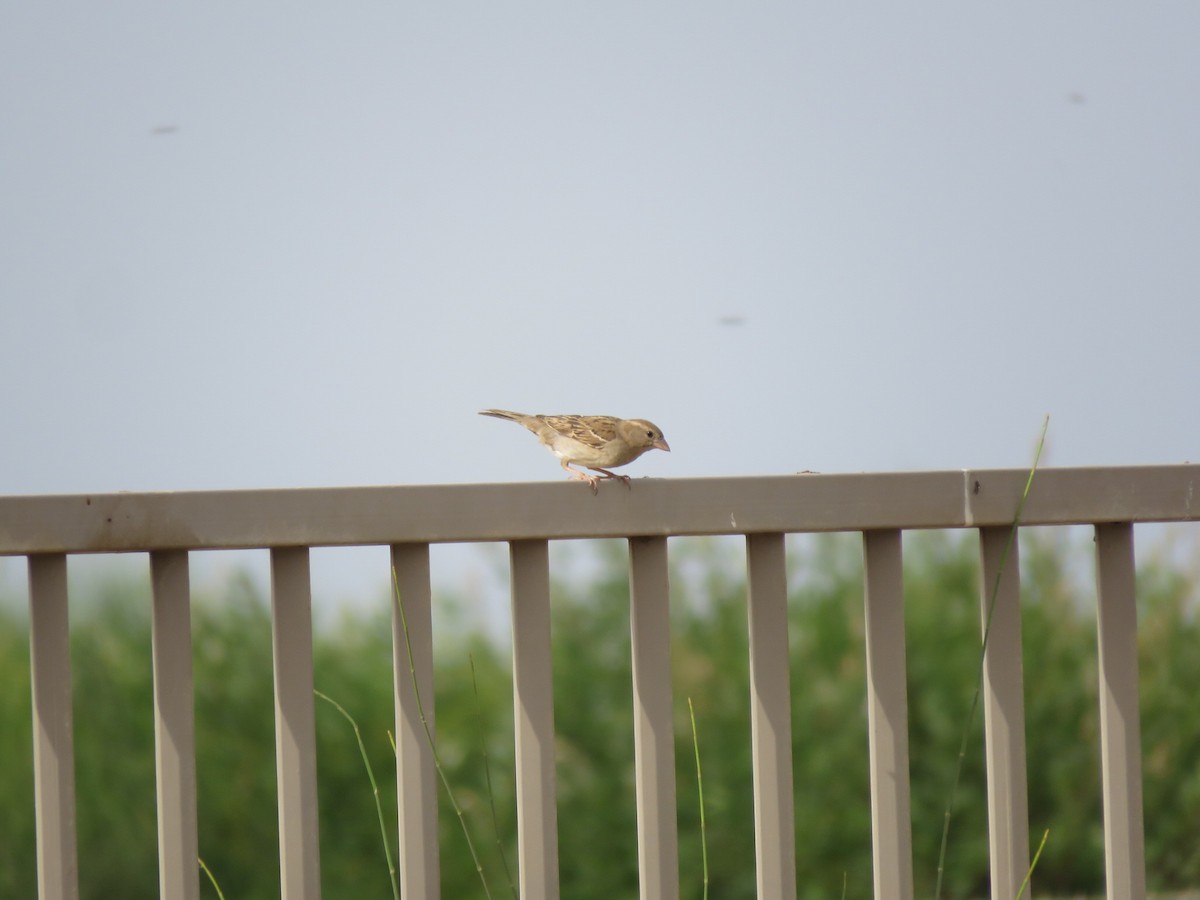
241	519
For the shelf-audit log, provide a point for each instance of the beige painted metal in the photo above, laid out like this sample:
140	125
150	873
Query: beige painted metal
174	726
771	718
887	716
653	726
416	775
1004	712
502	512
53	742
528	515
533	701
295	734
1120	726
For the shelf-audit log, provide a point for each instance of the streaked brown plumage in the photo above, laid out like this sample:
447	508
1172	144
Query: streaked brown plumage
596	442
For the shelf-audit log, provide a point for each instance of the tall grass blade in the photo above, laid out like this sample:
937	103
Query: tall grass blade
487	773
207	871
362	749
437	757
700	791
1033	865
966	735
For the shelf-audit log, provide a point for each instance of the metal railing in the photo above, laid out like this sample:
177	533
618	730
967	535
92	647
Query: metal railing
48	529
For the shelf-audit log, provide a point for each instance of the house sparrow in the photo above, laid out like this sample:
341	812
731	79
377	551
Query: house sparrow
597	442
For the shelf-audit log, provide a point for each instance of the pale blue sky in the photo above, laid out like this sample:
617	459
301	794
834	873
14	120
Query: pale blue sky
292	244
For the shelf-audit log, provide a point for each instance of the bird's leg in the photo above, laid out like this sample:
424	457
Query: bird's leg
592	480
624	479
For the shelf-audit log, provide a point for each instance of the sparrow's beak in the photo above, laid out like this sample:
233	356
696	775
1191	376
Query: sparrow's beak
661	444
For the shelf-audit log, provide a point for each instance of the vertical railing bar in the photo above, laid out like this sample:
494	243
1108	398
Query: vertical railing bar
771	717
887	715
1004	710
653	728
533	703
416	775
53	738
295	733
174	725
1120	723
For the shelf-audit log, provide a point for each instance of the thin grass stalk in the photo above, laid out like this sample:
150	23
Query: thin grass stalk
487	773
1033	865
437	757
700	791
362	749
211	877
987	630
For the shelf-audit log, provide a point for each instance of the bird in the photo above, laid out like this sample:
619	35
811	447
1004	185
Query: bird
598	443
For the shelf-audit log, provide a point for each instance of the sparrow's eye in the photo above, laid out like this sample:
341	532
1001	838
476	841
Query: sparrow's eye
650	434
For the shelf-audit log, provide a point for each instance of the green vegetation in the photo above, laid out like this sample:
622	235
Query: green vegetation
598	854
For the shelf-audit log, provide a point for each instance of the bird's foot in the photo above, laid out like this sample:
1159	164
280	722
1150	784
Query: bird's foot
592	480
624	479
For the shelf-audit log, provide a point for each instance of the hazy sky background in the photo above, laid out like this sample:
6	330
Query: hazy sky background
279	244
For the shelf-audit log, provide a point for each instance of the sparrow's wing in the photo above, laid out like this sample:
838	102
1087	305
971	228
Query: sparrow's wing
592	431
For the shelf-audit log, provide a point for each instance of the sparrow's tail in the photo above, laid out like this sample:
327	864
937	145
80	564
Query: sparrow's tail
503	414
